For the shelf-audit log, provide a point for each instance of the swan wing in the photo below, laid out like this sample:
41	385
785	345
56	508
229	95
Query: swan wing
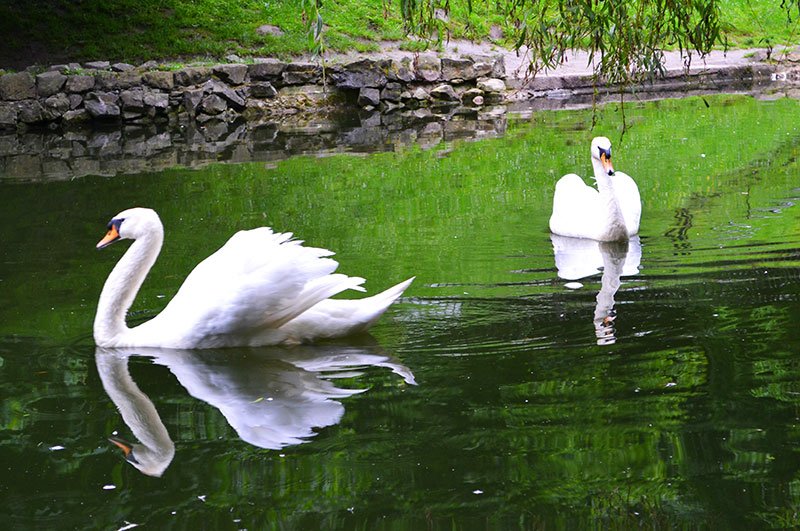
575	207
630	202
258	280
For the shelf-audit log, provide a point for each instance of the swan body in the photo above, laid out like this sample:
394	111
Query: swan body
610	212
260	288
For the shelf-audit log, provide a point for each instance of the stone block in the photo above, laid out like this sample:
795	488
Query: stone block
97	65
192	99
369	96
359	74
8	116
77	84
55	106
263	90
224	91
159	79
156	100
428	67
444	92
301	74
213	105
193	75
132	100
75	101
457	69
75	116
266	69
491	85
122	67
401	70
48	83
102	105
472	95
30	112
104	80
392	92
18	86
231	74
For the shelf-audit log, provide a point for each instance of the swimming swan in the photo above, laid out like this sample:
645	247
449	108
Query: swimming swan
609	213
260	288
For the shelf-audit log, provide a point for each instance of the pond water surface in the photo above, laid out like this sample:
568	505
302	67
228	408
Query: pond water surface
515	386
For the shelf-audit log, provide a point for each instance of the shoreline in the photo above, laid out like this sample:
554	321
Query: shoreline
74	95
268	110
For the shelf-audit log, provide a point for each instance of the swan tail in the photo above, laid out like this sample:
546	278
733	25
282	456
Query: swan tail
340	317
390	295
369	309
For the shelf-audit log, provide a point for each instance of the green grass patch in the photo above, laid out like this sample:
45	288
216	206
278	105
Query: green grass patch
47	32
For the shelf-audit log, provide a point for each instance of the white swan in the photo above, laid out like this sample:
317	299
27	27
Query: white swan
260	288
609	213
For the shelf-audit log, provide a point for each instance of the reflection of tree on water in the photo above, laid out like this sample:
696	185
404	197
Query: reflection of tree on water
272	397
578	258
679	231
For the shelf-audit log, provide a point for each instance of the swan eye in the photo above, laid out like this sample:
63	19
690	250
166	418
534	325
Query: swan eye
605	153
115	223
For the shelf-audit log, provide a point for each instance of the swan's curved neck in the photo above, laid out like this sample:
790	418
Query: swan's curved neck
616	223
122	285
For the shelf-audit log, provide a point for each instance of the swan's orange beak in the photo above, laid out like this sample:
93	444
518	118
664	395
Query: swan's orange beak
111	236
125	447
606	160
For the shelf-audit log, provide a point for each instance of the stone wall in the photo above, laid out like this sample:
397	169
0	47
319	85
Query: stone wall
68	96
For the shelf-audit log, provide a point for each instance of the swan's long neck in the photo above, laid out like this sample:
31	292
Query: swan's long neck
615	229
121	287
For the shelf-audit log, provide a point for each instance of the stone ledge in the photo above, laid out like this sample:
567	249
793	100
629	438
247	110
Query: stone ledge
122	93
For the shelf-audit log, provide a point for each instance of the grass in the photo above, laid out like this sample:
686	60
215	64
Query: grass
759	24
45	32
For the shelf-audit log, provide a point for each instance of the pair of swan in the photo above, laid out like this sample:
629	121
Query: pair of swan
264	288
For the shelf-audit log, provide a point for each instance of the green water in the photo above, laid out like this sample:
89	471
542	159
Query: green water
488	396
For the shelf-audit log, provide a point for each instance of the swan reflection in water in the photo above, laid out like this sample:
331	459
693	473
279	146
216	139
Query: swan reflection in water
578	258
273	397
